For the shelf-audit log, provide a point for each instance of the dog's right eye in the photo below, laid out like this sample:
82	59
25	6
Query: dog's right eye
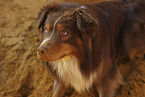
46	30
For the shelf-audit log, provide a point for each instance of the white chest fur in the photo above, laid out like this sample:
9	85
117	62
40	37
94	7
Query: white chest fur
69	72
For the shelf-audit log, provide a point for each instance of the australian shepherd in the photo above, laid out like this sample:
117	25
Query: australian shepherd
79	43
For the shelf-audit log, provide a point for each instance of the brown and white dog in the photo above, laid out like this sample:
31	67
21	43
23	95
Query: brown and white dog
79	43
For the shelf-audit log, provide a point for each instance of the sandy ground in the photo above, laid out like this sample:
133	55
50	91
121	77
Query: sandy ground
23	75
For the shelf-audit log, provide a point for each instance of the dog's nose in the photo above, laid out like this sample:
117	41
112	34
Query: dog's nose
42	50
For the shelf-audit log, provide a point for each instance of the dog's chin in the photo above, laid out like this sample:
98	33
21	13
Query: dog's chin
49	58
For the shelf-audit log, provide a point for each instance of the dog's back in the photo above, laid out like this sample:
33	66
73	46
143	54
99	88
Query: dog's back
133	34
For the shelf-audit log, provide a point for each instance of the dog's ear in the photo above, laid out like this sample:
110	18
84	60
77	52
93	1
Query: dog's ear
45	11
87	26
85	21
42	15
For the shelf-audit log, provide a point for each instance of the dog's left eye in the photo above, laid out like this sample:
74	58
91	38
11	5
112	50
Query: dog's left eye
64	33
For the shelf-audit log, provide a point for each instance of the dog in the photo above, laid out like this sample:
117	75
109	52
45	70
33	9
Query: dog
79	43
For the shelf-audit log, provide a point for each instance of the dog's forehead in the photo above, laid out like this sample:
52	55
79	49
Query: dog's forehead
52	18
59	18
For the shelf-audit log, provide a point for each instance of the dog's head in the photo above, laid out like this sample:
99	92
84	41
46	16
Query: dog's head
65	31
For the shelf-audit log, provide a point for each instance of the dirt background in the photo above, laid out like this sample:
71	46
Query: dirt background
22	74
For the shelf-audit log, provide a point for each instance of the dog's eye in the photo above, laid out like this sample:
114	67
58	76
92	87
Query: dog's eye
64	33
46	30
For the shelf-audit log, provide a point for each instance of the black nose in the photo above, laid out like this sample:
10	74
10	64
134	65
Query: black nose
42	50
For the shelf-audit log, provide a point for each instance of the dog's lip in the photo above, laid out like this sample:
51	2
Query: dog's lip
58	58
62	56
42	57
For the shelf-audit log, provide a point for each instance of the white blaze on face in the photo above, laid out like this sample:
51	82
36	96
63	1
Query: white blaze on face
83	7
49	37
44	41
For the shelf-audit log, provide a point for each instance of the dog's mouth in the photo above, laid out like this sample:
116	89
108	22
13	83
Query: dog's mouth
47	58
62	56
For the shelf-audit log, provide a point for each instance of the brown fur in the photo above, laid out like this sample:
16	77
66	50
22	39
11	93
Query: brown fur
94	33
133	35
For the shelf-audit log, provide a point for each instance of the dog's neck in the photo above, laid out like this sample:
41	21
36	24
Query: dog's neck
69	71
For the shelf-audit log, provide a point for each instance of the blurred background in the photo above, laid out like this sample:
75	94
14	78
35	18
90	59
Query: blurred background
21	73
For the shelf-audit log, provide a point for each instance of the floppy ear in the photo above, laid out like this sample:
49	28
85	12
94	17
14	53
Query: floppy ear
45	11
87	26
85	22
41	18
